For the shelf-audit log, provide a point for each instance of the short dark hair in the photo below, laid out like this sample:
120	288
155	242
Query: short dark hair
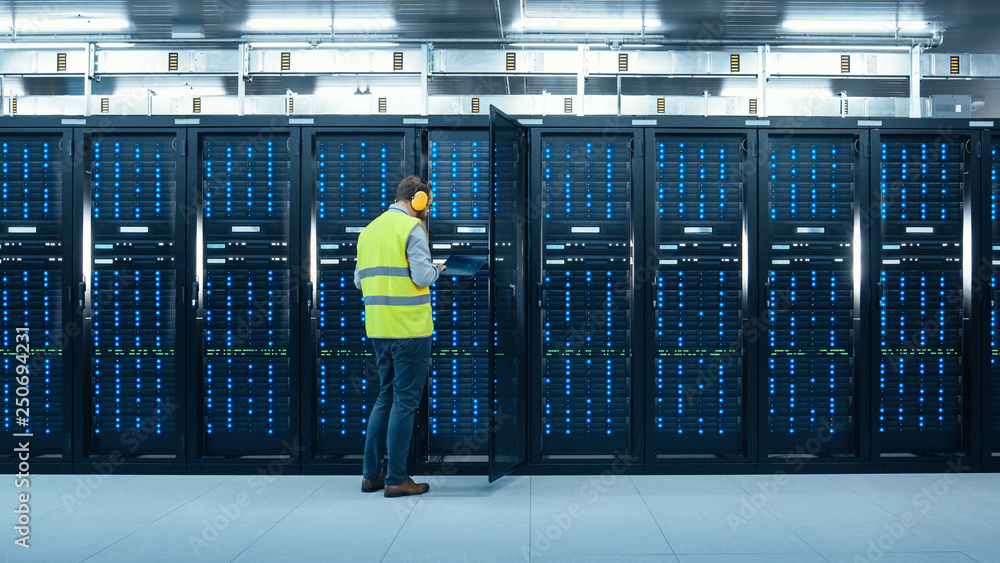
409	187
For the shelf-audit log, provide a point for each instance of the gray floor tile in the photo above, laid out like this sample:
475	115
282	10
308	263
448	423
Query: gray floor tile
634	558
789	483
854	536
246	500
812	557
358	510
899	557
143	498
65	493
991	556
338	541
215	539
821	507
553	514
586	487
428	541
561	534
66	543
698	524
693	485
272	555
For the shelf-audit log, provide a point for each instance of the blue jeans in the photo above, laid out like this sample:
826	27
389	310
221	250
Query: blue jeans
403	365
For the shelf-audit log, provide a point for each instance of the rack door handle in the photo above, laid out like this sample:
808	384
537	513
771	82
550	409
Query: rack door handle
194	294
81	294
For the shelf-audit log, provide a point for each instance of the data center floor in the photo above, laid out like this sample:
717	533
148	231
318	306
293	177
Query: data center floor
610	517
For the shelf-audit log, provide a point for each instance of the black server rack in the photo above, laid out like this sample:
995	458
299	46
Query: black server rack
354	180
134	228
37	316
919	401
993	374
458	387
247	389
584	292
813	344
696	395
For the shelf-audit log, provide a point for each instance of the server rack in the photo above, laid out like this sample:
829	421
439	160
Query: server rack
583	267
921	241
700	202
458	172
991	383
352	179
813	351
134	202
37	292
245	183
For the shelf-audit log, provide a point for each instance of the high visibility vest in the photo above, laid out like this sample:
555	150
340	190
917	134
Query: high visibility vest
395	307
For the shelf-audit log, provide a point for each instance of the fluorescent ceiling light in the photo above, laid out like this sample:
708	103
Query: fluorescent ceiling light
114	45
128	90
738	91
800	92
64	46
588	24
366	25
831	46
280	45
854	26
557	45
302	25
322	45
552	45
82	24
336	45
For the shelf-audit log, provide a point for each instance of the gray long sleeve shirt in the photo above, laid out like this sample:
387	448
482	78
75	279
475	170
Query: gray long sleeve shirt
423	271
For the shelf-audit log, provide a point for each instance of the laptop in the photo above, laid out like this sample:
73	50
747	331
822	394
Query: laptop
463	265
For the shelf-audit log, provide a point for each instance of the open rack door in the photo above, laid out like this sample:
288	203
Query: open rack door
507	242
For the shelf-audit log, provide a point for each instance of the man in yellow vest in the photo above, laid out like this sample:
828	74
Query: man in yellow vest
393	272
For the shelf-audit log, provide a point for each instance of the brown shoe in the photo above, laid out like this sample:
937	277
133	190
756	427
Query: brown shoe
407	488
372	485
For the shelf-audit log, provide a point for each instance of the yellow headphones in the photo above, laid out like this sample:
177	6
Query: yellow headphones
419	201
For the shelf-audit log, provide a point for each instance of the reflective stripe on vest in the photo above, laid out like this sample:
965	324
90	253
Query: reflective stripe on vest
395	307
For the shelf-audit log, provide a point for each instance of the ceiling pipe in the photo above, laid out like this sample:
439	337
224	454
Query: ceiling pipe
927	42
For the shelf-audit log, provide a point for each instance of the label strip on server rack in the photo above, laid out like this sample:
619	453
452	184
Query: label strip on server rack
697	295
809	291
133	273
585	293
245	181
356	179
458	389
919	401
32	226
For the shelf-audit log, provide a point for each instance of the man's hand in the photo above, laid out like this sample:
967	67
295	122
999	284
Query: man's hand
442	267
